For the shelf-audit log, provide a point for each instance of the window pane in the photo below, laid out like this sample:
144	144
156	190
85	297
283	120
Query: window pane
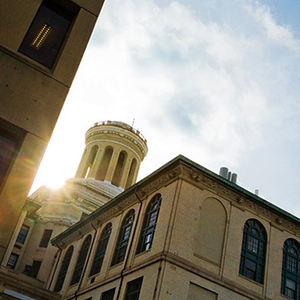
133	289
22	234
12	261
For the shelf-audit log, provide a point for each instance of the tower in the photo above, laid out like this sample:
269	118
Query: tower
113	154
110	164
41	45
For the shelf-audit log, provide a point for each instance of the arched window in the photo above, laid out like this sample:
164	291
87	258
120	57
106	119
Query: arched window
253	254
63	269
290	277
123	238
150	219
100	252
81	259
116	180
105	161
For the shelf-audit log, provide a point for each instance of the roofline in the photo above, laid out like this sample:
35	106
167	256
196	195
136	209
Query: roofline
178	160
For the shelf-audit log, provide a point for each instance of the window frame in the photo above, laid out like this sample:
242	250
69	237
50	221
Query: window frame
108	295
63	269
48	32
253	252
12	265
133	289
290	269
149	224
123	238
77	273
101	249
45	238
23	233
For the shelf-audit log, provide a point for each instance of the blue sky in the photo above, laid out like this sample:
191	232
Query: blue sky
216	81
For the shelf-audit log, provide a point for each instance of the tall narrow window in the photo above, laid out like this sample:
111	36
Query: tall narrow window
12	261
105	161
63	269
149	224
290	277
48	31
81	259
22	234
133	289
100	252
253	253
116	180
45	238
35	268
123	238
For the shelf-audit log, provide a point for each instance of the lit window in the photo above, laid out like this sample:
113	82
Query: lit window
133	289
22	234
100	252
63	270
81	259
149	224
48	31
123	238
290	277
253	253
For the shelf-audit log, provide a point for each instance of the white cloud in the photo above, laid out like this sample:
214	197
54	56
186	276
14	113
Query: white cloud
198	80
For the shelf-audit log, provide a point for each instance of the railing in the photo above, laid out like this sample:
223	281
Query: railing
122	125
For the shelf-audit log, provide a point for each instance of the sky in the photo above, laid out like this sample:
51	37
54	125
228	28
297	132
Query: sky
216	81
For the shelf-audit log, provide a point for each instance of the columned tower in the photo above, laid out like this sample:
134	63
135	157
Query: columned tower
113	154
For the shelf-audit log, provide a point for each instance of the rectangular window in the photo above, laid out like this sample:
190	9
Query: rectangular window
133	289
108	295
12	261
45	238
33	270
22	234
11	138
36	264
48	31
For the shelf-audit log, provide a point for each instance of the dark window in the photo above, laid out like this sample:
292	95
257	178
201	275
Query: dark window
133	289
123	238
63	270
149	224
11	138
100	252
45	238
81	259
36	264
22	234
33	270
253	253
108	295
290	277
12	261
48	31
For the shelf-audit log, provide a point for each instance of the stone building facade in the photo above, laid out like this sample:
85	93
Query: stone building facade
50	212
183	232
41	45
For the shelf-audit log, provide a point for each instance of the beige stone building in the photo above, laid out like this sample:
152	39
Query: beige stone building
41	45
183	232
110	162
